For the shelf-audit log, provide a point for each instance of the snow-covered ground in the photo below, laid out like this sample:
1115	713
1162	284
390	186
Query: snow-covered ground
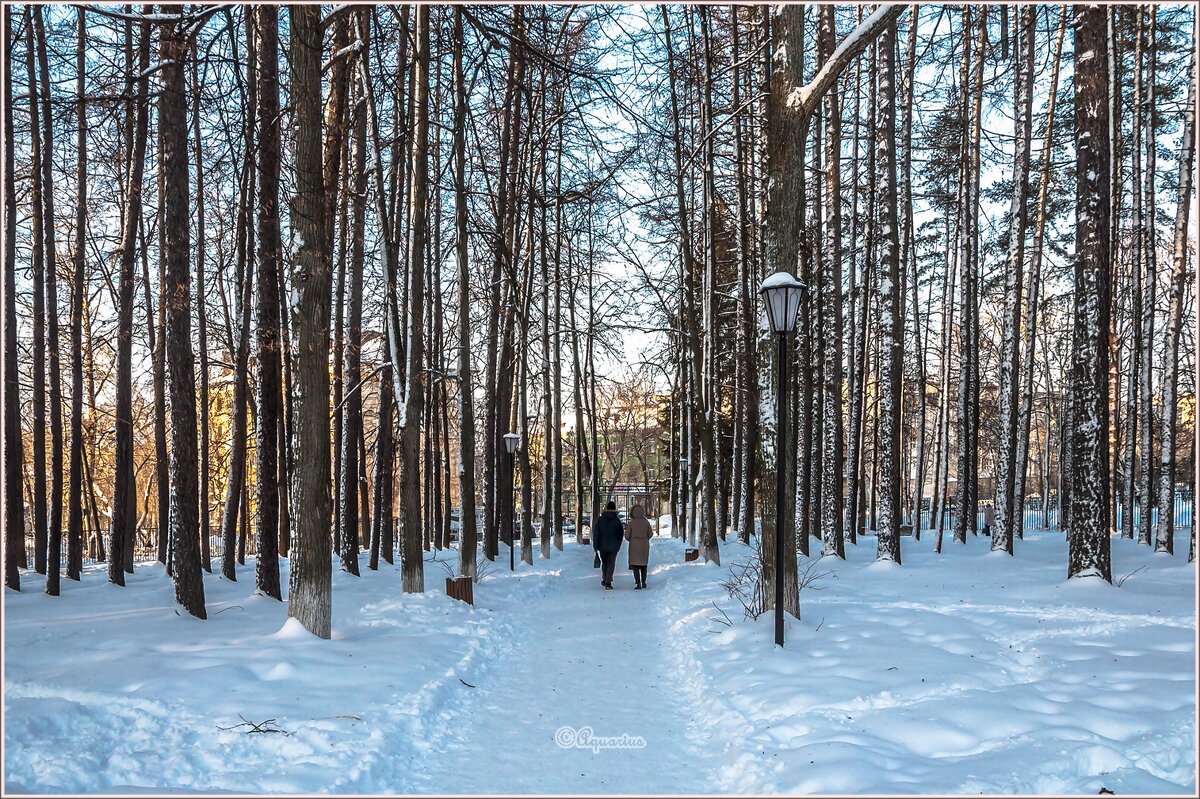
967	672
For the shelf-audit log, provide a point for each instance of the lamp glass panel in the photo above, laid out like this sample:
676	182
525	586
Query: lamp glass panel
793	308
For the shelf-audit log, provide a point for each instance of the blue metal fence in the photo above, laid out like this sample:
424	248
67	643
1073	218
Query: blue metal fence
1039	517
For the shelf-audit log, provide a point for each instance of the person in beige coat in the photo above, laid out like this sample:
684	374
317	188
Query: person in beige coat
638	533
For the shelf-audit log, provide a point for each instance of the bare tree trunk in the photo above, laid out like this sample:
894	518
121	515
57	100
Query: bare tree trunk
941	469
78	288
410	426
184	519
858	331
1128	468
267	308
46	179
747	316
556	432
310	580
1035	284
891	314
502	264
785	153
201	320
908	262
964	520
1146	323
705	362
1088	537
38	222
241	352
14	448
348	497
1008	519
832	521
1164	536
382	529
468	535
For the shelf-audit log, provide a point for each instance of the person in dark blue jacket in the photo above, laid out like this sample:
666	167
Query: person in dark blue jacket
607	536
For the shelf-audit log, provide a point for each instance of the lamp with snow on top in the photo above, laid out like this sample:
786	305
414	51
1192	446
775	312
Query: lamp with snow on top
781	296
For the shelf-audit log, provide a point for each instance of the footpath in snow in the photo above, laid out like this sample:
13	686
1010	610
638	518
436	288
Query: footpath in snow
966	672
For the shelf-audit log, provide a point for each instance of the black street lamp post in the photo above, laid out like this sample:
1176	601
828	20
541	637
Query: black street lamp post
781	296
511	442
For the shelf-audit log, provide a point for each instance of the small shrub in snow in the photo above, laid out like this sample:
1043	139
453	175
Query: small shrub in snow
745	582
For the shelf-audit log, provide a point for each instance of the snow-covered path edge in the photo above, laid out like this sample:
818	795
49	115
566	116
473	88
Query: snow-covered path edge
960	673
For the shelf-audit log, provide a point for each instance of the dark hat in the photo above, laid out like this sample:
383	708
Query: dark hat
611	505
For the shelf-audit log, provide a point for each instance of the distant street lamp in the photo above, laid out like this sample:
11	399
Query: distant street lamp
683	471
781	296
511	442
